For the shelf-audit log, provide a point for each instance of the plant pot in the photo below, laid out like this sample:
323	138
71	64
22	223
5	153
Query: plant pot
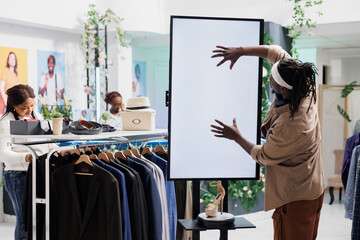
57	125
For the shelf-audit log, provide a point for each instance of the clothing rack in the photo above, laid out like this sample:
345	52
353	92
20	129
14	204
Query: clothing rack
75	141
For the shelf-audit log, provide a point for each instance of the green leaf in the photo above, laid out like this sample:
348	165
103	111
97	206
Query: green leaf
247	203
343	113
348	89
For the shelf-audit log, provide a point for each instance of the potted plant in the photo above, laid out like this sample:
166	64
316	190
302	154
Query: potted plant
105	117
57	123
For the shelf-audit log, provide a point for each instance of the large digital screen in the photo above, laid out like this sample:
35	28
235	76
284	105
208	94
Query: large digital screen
201	92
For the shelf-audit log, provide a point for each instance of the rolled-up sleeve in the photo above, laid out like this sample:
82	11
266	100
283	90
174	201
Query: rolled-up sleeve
276	53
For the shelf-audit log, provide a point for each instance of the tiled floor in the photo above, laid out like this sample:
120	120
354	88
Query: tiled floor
333	225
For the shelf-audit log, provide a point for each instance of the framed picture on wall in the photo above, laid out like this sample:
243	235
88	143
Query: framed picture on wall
13	70
83	114
139	79
51	77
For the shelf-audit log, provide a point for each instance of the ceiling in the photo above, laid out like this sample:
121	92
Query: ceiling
338	39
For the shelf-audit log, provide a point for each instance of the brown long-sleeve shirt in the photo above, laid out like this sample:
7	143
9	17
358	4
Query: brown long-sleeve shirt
292	151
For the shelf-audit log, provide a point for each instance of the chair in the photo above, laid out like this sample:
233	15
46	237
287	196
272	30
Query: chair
335	180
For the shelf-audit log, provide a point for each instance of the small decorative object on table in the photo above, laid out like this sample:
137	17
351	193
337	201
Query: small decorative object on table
57	123
105	117
211	218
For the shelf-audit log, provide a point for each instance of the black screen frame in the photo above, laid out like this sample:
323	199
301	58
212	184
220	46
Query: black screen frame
258	134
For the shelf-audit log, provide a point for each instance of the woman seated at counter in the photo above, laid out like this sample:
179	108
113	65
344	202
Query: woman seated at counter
117	106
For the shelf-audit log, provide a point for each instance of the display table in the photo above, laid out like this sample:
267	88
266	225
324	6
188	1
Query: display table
192	225
117	135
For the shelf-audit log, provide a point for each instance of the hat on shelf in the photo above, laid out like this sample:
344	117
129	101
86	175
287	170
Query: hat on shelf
138	115
139	104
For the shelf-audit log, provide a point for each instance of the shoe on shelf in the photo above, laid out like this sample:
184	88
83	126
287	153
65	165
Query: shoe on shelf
212	208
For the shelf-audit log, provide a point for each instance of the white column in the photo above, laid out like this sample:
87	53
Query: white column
124	80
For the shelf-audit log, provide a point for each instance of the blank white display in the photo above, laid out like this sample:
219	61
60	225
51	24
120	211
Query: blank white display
201	92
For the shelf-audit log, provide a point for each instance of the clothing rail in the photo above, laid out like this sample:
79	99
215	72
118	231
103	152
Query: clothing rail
75	141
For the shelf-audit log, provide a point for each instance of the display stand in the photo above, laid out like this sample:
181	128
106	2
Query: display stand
192	224
76	141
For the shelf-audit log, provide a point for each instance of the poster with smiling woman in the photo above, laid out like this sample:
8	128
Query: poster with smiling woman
13	70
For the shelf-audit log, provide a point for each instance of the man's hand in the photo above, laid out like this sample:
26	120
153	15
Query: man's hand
232	132
28	158
228	53
226	131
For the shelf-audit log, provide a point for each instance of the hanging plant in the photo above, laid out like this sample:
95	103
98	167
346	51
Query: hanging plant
90	37
266	103
96	26
301	20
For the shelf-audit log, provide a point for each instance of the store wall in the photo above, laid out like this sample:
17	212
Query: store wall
350	70
119	68
140	15
341	70
34	39
65	14
157	78
153	15
333	11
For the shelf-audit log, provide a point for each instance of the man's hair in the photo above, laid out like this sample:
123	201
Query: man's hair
301	76
53	58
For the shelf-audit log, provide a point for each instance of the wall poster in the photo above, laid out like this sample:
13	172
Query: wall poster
139	79
51	77
13	70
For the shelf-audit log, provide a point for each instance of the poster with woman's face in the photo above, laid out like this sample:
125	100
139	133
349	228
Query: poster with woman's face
13	70
139	79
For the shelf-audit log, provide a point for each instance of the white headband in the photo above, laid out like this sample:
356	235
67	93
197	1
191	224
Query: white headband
278	79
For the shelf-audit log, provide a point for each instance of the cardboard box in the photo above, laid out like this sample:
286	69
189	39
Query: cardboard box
138	120
32	128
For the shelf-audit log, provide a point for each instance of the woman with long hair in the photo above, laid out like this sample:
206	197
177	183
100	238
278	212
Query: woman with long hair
20	105
8	79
